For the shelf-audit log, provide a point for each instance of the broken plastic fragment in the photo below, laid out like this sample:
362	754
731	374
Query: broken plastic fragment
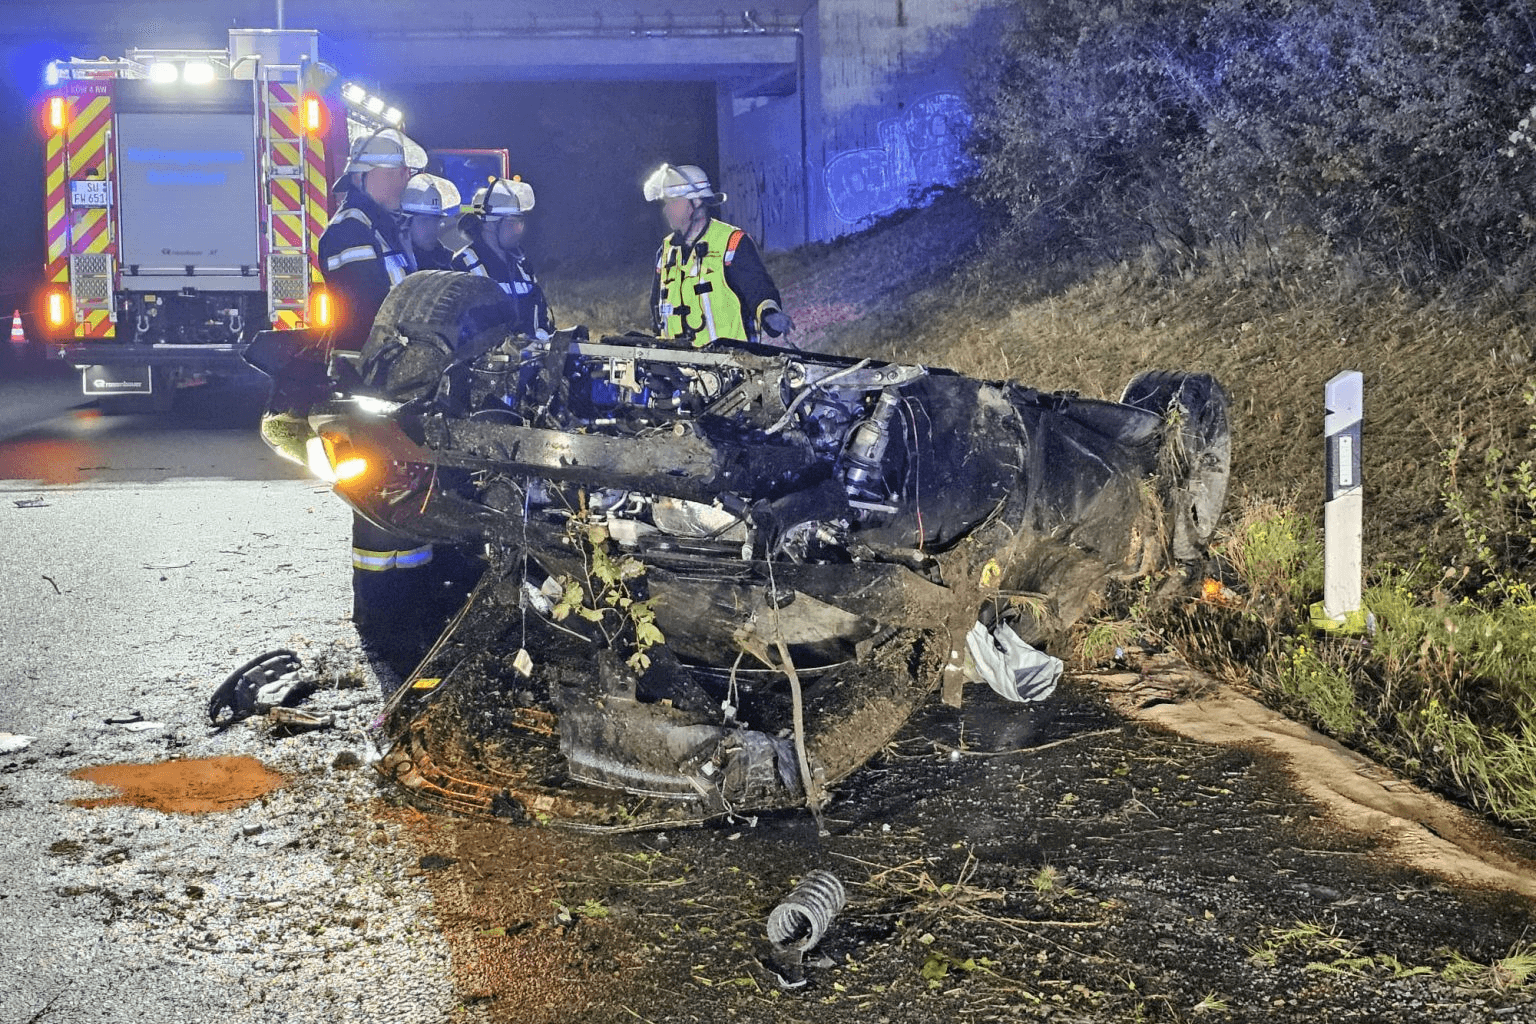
523	662
11	742
1013	668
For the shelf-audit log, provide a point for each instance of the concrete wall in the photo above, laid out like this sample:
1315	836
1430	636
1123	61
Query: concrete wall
889	111
760	165
885	116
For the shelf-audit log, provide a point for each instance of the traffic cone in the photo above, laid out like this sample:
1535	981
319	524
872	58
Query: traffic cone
18	336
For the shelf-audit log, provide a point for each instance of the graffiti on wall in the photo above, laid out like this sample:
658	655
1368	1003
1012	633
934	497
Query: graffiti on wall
922	147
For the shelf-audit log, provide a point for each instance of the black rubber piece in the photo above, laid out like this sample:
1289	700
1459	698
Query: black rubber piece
235	698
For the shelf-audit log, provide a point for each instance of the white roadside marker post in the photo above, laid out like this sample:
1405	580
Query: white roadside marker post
1340	610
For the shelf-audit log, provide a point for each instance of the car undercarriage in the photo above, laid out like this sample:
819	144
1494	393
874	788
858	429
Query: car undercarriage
719	580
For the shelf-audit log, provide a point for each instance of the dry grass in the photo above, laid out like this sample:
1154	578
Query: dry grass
612	302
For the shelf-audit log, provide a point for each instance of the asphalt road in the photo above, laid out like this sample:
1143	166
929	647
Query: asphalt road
52	434
145	557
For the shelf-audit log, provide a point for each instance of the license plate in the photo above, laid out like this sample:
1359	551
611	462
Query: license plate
90	194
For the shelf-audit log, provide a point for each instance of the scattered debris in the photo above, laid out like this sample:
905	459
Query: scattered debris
802	918
265	682
435	862
54	584
345	760
798	924
251	831
11	742
29	503
124	717
142	726
294	720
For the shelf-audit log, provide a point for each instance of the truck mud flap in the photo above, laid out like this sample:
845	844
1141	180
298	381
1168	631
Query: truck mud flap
99	381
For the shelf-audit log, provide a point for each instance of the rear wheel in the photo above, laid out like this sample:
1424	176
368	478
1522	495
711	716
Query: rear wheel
1196	460
427	321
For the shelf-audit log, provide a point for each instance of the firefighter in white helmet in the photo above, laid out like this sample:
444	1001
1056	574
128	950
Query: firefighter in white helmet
362	253
362	256
432	203
495	225
710	282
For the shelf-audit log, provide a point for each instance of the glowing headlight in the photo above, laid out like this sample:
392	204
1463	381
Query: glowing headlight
319	462
197	73
163	71
374	406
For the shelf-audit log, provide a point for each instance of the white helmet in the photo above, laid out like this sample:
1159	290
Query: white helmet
387	147
431	196
685	182
503	197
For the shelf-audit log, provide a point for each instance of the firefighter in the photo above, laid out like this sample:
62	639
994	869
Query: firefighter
362	253
710	282
430	201
495	225
362	256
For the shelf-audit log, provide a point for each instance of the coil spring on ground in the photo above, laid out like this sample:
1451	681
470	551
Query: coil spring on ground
802	918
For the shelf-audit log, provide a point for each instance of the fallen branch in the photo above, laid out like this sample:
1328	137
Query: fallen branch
1025	750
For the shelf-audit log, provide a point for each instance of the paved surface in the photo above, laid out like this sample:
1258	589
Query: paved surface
144	559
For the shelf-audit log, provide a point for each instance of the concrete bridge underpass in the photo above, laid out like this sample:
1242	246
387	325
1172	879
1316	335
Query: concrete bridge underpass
815	115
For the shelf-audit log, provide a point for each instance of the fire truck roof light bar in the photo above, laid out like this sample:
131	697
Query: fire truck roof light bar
193	72
366	103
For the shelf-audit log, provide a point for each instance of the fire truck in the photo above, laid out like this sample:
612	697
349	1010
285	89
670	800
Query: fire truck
186	192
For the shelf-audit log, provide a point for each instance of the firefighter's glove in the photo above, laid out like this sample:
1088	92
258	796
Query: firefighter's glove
777	323
1010	666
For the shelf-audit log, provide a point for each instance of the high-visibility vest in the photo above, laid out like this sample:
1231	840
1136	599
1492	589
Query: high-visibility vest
695	302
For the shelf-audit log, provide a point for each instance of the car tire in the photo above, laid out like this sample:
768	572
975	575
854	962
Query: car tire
1196	460
426	322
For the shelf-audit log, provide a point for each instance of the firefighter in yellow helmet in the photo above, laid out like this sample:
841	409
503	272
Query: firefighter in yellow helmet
710	283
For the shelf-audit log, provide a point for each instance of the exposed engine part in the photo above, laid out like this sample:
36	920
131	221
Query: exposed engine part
695	519
863	457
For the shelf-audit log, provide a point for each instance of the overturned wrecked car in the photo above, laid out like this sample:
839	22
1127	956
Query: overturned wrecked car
721	579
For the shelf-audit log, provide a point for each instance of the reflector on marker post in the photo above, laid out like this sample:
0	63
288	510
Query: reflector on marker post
1340	609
